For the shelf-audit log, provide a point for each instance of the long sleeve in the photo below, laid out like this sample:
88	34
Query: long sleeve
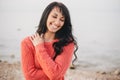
54	69
28	63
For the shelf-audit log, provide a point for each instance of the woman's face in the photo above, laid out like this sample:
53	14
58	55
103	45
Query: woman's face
55	20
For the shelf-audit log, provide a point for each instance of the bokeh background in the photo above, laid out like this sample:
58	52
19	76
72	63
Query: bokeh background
96	26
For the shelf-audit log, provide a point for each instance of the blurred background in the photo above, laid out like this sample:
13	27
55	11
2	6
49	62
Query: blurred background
96	26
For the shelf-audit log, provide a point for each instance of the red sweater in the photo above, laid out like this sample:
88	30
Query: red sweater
38	63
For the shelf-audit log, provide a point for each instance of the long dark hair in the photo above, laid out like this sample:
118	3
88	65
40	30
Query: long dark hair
64	35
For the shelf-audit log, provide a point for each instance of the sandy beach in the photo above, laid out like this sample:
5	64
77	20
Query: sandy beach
12	71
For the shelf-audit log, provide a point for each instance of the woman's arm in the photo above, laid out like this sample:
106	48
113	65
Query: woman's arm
28	62
54	69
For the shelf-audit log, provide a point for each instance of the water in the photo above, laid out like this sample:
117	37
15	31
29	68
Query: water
96	24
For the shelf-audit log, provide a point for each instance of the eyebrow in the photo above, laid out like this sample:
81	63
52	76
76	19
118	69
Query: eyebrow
57	15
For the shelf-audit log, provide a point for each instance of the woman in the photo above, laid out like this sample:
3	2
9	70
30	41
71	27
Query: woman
47	54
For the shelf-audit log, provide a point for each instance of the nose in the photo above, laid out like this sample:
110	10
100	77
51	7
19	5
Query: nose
57	22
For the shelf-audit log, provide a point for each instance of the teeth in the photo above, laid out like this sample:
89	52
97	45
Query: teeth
54	26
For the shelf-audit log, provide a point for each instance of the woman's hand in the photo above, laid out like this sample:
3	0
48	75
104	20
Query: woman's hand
36	39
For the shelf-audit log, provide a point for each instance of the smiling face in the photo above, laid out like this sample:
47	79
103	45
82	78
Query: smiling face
55	20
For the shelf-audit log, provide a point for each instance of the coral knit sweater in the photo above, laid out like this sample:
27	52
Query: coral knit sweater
38	63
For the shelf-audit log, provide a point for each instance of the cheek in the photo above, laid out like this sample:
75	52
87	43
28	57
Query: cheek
62	23
48	22
48	19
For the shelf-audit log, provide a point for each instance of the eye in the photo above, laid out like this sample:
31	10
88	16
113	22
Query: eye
62	20
54	16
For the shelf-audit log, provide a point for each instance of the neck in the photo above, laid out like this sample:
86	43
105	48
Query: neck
49	36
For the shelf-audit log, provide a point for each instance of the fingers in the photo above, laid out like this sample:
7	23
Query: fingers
36	38
32	38
36	35
42	35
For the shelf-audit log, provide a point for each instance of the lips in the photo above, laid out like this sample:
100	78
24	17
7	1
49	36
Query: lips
54	26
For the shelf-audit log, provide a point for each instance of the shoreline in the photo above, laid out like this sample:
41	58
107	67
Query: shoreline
12	71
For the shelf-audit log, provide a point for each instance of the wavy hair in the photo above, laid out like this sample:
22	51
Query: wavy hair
64	35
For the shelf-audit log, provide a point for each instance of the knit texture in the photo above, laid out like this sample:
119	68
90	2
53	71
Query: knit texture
38	64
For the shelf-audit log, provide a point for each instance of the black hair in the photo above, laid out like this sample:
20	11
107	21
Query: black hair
64	35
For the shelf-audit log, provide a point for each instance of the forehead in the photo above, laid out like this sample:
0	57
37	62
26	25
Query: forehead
57	10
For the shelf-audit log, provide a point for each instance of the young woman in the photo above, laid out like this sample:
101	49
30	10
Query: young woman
47	54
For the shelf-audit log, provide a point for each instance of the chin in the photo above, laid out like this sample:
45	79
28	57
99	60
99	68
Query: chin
54	31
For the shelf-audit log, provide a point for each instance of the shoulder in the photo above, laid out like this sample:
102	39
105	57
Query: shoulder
26	41
70	45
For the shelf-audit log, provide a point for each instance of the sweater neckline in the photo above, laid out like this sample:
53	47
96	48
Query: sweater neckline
50	42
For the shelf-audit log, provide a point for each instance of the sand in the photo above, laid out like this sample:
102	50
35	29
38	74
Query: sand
12	71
